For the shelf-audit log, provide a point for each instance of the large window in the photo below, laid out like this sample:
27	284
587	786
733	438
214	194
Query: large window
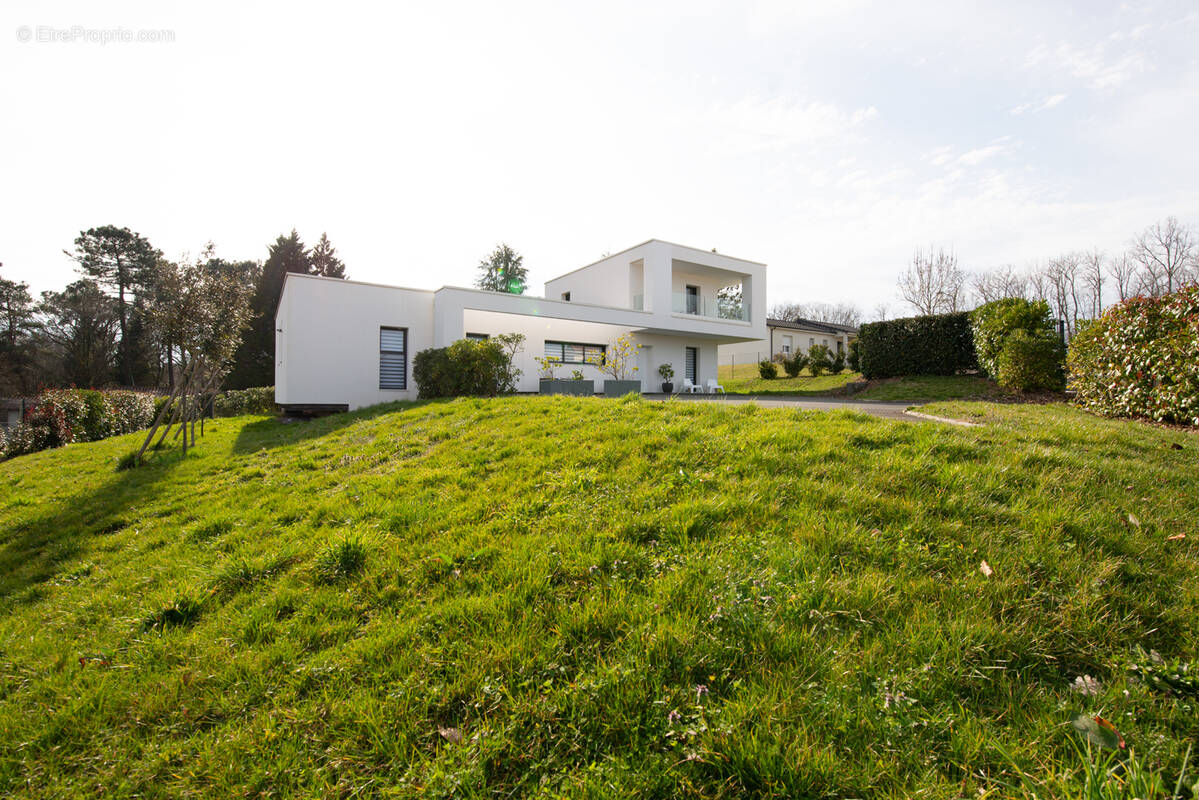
393	358
574	352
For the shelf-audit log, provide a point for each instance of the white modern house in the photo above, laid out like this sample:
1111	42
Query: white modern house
342	344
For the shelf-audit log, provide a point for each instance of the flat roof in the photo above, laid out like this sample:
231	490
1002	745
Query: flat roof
651	241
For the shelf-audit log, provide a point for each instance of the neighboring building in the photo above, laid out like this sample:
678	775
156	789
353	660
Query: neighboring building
347	344
12	411
784	337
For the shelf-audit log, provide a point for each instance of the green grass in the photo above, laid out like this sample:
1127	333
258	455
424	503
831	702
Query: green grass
583	597
930	388
745	379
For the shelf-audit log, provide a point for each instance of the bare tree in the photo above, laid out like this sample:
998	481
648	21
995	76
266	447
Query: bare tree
1092	279
1165	252
880	311
999	283
1063	273
1125	273
832	313
933	282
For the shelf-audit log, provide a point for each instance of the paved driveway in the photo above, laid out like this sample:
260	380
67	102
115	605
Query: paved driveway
885	410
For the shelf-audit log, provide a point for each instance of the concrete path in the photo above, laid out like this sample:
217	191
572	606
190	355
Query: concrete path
884	410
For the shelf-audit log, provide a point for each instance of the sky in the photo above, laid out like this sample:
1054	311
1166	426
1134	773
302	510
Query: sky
826	139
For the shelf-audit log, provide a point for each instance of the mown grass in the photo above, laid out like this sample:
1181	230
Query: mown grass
931	388
552	596
745	379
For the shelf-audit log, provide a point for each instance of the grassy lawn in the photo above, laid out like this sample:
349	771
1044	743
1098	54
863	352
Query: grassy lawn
584	597
745	379
928	388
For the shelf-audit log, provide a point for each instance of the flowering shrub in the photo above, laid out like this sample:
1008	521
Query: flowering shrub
62	416
1141	359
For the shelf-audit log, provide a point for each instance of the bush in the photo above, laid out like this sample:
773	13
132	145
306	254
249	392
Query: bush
465	368
992	323
853	358
1141	359
235	402
794	365
768	370
818	360
838	364
941	344
1031	362
62	416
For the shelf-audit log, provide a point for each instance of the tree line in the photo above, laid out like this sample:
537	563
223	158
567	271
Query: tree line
133	315
1077	285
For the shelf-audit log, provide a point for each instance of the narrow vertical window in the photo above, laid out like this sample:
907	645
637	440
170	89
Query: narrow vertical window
393	358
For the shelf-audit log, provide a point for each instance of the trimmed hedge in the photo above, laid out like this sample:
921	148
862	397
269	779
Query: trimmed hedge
235	402
465	368
941	344
1141	359
993	322
1031	362
62	416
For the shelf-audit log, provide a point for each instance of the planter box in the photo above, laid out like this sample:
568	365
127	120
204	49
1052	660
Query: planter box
621	388
571	387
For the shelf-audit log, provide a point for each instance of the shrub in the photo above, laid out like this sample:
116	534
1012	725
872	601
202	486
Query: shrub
794	365
235	402
838	364
992	323
768	370
940	344
1141	359
818	360
62	416
1031	362
853	358
465	368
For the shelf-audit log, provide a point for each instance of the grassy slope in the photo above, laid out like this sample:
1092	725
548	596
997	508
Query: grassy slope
927	388
555	577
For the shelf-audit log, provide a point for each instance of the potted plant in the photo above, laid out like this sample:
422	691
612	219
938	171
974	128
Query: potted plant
666	373
576	384
615	362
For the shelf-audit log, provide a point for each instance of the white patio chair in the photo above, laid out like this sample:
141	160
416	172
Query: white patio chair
689	387
714	387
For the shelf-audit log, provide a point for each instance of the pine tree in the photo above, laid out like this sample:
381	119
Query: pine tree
17	323
502	271
324	260
254	364
122	262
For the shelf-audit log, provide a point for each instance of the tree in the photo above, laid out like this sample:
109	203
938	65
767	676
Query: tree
1124	273
729	302
122	262
1093	262
502	271
1063	273
254	364
81	324
323	260
832	313
998	284
1166	254
17	323
933	283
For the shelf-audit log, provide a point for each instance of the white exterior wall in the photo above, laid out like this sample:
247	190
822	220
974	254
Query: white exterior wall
327	339
759	349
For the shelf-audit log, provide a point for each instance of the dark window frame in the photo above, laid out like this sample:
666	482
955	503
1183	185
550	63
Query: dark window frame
403	353
584	346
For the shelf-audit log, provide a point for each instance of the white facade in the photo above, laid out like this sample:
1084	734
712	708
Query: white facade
327	340
786	339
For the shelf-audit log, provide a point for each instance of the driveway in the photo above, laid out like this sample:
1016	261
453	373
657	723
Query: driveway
884	410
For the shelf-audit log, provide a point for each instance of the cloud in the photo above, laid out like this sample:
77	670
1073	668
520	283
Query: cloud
1092	65
1043	105
754	124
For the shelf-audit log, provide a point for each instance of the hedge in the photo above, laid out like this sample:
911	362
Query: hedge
465	368
62	416
993	322
235	402
1031	362
941	344
1141	359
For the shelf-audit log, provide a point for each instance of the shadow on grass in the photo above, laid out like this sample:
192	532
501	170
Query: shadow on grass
267	434
32	551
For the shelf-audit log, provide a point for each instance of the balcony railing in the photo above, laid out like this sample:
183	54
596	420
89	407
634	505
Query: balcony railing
683	303
638	302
